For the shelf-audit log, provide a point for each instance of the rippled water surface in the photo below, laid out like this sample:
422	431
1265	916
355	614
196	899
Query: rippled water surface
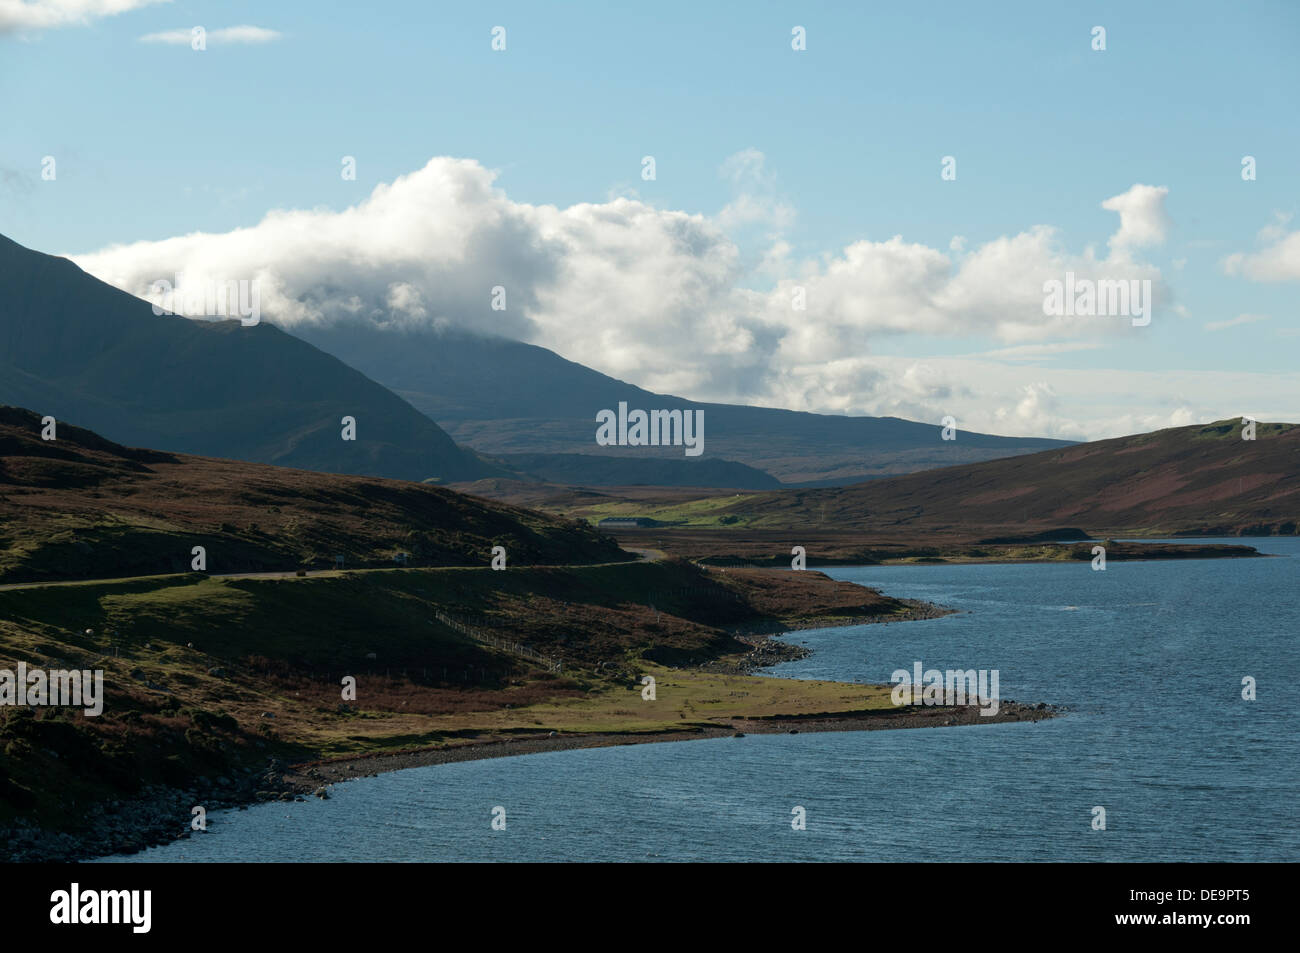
1149	657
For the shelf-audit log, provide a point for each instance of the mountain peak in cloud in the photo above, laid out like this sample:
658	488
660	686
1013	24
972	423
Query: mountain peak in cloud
659	297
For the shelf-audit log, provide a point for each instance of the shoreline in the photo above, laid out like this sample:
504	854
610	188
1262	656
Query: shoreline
922	561
768	651
312	776
162	814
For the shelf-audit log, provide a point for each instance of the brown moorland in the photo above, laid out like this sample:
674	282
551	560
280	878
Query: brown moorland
216	683
82	507
1202	480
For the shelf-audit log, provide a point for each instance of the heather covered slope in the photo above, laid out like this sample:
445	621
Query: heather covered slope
78	349
207	680
83	507
1203	480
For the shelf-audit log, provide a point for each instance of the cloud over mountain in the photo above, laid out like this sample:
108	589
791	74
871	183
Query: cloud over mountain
658	296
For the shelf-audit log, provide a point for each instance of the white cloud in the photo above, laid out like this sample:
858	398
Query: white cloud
47	14
990	396
900	287
406	300
1277	229
1035	352
222	36
755	201
664	298
747	167
1142	217
1233	322
1280	261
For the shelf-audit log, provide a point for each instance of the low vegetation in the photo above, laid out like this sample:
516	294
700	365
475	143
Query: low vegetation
205	677
81	507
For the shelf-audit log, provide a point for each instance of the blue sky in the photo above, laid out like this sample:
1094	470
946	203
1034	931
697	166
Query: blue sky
155	140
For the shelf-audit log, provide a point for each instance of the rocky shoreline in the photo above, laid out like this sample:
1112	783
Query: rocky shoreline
156	816
160	815
767	651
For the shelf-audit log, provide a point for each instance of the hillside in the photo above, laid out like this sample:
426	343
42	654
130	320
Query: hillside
213	685
214	680
85	507
1201	480
507	397
589	469
78	349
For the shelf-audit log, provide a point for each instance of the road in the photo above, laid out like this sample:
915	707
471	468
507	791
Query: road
643	555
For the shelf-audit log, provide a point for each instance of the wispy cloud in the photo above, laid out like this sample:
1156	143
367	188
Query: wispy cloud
224	35
12	180
1275	230
1035	352
18	15
755	201
1233	322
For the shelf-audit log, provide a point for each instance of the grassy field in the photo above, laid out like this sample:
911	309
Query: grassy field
684	699
710	512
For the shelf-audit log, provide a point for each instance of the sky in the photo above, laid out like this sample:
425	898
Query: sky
913	176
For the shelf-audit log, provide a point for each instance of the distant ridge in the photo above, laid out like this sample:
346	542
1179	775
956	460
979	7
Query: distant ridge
506	397
1202	480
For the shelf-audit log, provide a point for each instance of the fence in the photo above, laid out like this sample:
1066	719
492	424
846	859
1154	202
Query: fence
497	642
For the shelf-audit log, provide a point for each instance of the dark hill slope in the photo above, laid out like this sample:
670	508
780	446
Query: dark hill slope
84	507
506	397
78	349
1201	480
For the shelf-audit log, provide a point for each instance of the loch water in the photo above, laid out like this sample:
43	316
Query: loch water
1147	657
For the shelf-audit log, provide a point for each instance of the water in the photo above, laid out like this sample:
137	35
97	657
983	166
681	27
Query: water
1148	656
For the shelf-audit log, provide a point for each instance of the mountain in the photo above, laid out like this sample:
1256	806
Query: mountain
505	397
1202	480
77	349
81	506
